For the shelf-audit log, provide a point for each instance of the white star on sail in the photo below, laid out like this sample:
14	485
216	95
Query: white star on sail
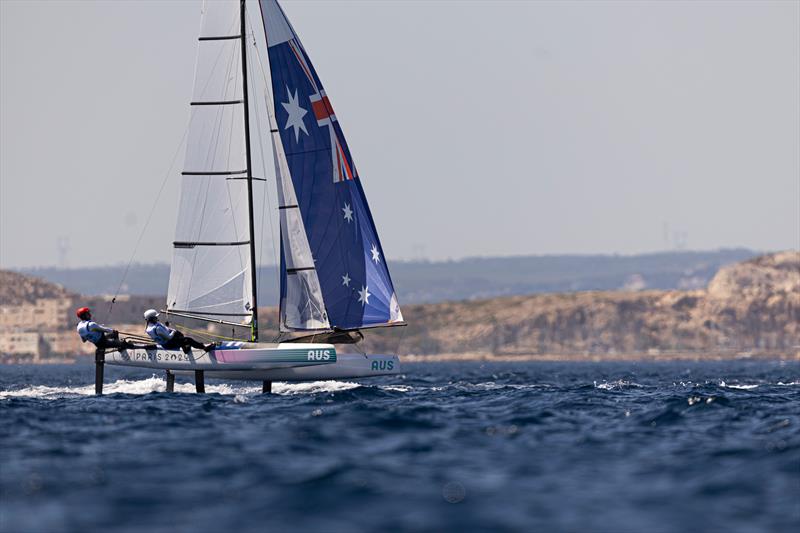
348	213
346	279
296	114
376	255
363	295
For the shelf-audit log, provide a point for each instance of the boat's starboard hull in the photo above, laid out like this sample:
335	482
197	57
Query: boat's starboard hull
347	366
233	356
281	362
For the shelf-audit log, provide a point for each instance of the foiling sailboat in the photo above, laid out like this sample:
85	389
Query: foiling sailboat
334	281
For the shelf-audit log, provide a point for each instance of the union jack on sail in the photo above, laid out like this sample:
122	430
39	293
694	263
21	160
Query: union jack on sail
343	169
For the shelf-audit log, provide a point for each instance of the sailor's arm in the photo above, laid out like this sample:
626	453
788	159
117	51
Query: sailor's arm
168	332
94	326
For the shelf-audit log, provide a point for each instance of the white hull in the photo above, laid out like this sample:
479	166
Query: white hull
281	362
347	366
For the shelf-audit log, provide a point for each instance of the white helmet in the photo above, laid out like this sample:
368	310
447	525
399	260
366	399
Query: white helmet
150	313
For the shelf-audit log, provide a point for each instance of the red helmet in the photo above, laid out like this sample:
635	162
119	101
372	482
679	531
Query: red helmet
82	311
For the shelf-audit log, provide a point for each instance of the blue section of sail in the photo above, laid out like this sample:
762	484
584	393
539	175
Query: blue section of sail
355	282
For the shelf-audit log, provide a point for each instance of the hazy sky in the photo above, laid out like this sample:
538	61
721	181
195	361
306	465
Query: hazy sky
479	128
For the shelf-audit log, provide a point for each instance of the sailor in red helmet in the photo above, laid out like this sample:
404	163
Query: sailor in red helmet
99	335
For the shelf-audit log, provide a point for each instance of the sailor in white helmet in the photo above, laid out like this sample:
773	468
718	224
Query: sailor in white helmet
169	338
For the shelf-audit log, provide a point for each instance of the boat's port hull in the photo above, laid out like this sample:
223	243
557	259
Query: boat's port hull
282	362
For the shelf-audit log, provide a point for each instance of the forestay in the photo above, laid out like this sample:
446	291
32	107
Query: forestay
211	264
346	255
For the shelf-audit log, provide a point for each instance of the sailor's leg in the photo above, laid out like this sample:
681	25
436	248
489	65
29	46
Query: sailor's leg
266	387
178	341
193	343
121	345
199	381
99	364
111	340
170	381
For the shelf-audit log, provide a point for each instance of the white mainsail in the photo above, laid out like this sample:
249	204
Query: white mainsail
211	264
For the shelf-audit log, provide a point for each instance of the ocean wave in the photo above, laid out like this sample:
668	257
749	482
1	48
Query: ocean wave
235	459
313	387
396	388
158	384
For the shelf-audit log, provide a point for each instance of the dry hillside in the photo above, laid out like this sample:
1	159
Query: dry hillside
752	306
18	288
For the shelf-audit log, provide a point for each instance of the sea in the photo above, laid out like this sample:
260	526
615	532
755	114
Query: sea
468	446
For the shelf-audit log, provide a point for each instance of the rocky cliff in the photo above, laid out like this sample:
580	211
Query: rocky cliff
752	306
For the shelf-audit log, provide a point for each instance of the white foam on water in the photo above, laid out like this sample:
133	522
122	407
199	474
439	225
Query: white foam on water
491	385
121	386
740	386
618	384
460	385
313	387
42	392
158	384
790	384
396	388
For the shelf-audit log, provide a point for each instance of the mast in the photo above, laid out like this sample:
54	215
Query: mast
253	276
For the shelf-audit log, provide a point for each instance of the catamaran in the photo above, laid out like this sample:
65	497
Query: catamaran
334	281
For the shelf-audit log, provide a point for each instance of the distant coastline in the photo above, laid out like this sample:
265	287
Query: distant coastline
421	282
595	358
749	309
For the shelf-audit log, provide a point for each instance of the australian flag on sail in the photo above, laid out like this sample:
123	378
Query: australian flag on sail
355	282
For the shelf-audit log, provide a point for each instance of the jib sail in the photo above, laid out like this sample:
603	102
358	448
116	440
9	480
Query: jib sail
346	254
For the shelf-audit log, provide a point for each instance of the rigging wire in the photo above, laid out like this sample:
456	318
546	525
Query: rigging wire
267	199
135	336
191	113
207	334
163	183
147	222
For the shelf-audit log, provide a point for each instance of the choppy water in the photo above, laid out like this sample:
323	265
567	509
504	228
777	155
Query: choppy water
638	447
